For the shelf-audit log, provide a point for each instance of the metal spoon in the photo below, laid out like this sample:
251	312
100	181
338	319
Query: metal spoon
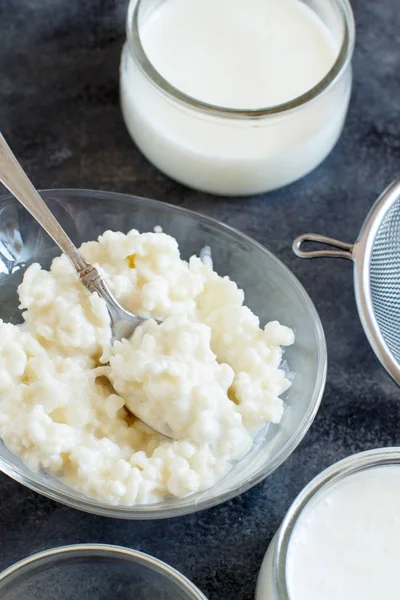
123	323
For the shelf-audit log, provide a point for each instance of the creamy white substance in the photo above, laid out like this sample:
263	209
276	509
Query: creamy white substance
208	372
239	54
346	543
234	54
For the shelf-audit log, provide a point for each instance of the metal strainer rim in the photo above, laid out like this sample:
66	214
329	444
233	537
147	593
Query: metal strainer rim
362	253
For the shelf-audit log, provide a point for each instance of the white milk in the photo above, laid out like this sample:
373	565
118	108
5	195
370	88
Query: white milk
236	55
346	543
239	54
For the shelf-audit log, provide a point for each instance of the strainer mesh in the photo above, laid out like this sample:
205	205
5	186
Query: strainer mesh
385	278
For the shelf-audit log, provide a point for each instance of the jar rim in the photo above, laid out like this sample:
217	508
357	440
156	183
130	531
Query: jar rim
342	60
348	466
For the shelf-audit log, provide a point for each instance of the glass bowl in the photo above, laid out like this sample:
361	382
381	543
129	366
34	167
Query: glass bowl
94	572
272	292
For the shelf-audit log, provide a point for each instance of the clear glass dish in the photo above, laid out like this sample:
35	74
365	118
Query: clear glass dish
272	292
94	572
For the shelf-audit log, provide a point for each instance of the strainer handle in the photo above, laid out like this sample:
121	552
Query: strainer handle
343	250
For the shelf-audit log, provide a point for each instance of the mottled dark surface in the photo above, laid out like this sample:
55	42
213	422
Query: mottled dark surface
59	110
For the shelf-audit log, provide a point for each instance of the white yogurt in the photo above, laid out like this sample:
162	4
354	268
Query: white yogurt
233	55
346	542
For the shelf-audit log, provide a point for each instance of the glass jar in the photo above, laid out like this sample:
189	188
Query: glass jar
272	581
228	151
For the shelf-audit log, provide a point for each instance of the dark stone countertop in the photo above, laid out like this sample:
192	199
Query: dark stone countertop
59	110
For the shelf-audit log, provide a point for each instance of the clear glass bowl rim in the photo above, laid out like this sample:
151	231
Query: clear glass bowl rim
24	566
157	511
355	463
164	86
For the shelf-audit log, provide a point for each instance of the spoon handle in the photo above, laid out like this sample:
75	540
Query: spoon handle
17	182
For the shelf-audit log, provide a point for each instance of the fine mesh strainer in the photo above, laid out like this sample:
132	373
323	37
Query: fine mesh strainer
376	258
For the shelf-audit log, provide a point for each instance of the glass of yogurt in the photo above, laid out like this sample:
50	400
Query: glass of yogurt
232	97
341	536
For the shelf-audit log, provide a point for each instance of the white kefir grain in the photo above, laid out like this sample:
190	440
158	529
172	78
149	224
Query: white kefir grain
207	372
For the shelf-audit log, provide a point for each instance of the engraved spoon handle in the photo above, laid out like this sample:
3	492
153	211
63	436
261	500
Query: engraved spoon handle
17	182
